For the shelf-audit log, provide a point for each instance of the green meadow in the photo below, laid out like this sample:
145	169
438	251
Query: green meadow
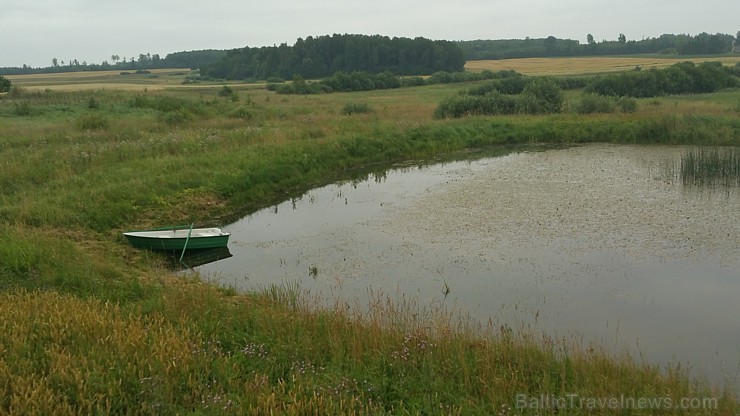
93	326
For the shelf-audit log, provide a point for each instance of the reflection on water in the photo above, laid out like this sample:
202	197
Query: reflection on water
592	243
195	258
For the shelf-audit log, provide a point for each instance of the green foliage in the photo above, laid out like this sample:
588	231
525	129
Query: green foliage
34	260
192	59
242	113
5	84
364	81
355	108
171	110
711	167
590	103
543	96
681	78
93	103
536	96
361	81
93	122
412	81
22	109
493	103
325	55
301	87
173	345
593	103
178	116
225	91
627	105
682	44
510	86
572	83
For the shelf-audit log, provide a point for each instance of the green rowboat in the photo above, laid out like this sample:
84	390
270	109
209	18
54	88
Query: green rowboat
180	239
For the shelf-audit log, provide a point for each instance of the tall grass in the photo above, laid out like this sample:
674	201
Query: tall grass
206	353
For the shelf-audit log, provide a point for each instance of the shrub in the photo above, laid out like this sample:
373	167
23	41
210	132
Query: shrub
493	103
226	91
300	87
175	117
593	103
93	122
511	85
627	105
353	108
541	96
22	109
167	104
241	112
681	78
92	103
412	82
4	84
573	83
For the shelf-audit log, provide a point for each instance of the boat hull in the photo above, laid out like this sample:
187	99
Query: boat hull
199	239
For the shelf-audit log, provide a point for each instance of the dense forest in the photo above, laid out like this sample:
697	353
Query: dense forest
325	55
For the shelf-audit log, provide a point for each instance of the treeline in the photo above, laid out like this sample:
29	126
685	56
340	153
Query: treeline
317	57
189	59
542	95
700	44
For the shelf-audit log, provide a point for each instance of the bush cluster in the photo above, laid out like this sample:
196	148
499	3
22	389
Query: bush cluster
93	122
171	110
355	108
4	84
364	81
681	78
537	96
593	103
603	94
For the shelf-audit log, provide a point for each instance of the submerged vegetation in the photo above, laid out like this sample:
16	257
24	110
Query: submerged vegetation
92	326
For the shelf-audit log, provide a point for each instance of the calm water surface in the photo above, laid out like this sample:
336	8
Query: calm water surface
596	243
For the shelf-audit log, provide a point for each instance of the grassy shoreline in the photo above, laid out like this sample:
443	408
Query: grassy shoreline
93	326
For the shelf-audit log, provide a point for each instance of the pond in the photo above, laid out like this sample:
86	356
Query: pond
600	244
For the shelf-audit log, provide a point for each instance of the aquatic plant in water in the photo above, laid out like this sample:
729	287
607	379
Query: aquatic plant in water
716	166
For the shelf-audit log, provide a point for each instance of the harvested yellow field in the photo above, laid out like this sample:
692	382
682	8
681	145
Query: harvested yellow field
116	79
585	65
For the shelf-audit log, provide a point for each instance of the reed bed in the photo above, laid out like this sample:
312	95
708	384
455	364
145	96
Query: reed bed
712	167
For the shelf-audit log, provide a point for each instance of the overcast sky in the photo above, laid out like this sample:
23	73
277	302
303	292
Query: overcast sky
35	31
